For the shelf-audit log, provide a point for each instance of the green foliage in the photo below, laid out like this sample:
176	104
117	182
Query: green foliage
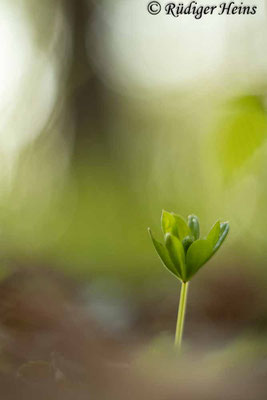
184	254
224	229
214	234
197	255
168	223
175	224
242	130
182	227
194	226
164	255
187	241
176	252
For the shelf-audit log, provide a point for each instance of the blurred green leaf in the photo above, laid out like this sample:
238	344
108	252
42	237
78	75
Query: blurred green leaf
242	131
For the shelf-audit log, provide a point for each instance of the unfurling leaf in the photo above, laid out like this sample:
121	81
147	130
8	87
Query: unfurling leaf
194	226
187	241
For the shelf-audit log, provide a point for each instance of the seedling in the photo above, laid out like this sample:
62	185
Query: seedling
184	253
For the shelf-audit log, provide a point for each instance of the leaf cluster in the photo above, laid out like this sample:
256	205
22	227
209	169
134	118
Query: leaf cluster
184	252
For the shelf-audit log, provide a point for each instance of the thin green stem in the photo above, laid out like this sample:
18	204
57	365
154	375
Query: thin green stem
181	315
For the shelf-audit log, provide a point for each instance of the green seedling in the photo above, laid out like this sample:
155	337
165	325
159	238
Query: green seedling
184	253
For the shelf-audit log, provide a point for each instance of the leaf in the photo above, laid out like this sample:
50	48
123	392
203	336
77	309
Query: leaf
176	252
198	253
214	234
182	227
164	255
224	229
242	130
187	241
168	223
194	226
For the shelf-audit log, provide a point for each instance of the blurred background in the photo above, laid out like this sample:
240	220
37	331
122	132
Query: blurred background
109	115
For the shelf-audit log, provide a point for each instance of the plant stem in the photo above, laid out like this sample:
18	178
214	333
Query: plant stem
181	315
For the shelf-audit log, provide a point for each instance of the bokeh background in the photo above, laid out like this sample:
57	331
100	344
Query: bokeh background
109	115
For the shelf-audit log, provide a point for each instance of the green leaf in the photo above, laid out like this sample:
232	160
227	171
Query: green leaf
182	227
241	131
224	229
214	234
194	226
176	252
187	241
164	255
168	223
198	253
